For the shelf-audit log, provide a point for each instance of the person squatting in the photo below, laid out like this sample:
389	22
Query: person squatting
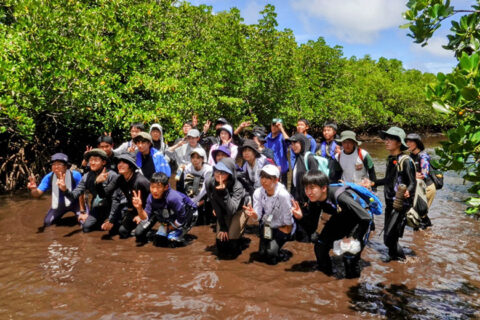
313	193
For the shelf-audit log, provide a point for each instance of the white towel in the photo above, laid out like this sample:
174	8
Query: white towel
56	191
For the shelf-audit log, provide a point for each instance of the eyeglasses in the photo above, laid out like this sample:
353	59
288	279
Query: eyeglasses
276	120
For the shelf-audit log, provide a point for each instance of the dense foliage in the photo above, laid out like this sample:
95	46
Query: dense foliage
457	93
70	70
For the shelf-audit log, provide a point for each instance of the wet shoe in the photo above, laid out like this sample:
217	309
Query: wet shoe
352	267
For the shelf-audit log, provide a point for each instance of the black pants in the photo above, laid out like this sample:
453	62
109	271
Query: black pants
270	248
394	226
95	218
336	228
127	224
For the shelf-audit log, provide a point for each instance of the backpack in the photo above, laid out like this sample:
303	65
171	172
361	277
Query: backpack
420	205
193	183
360	155
437	177
366	198
321	162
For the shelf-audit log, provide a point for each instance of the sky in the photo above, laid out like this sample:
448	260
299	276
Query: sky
361	27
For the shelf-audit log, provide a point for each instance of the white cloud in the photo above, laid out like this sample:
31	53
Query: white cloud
434	47
354	21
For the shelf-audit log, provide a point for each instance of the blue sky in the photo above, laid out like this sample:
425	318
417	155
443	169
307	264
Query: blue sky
361	27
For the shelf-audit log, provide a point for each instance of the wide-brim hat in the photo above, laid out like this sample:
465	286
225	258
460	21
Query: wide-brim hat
395	132
143	136
418	140
220	166
60	157
223	149
252	145
128	158
348	135
96	152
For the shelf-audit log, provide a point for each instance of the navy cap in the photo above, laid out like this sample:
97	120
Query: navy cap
60	157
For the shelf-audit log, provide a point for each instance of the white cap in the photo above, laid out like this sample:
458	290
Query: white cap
194	133
271	170
200	151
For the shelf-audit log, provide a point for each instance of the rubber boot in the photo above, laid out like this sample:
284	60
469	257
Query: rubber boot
324	263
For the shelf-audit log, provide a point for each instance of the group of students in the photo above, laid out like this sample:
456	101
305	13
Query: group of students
127	191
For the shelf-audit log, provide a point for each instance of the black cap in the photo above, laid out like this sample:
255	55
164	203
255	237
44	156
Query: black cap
331	124
418	140
221	120
297	137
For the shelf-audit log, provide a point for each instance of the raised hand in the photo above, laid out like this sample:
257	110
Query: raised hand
221	184
296	211
194	120
137	200
102	177
250	211
206	126
105	133
61	182
32	183
131	149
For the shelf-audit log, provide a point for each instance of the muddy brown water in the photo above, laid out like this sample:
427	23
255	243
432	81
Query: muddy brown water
62	273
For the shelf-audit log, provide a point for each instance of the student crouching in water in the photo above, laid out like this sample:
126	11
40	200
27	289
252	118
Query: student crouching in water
123	217
228	196
60	204
272	206
347	220
395	175
99	207
175	211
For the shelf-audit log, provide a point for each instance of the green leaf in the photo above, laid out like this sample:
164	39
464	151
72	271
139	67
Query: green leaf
470	93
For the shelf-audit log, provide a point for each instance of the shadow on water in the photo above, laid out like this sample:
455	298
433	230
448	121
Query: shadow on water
397	301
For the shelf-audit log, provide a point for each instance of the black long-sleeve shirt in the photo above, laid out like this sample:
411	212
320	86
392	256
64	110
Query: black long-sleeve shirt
393	178
137	182
355	218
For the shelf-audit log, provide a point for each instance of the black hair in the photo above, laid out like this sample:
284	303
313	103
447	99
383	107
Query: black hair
331	124
159	177
190	123
317	178
304	121
263	174
107	139
137	125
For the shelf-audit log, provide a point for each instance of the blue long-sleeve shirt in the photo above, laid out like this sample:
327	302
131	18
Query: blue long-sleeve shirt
279	147
173	201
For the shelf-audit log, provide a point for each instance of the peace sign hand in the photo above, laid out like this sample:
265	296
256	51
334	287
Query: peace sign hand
250	211
296	211
102	177
137	199
221	184
61	182
32	183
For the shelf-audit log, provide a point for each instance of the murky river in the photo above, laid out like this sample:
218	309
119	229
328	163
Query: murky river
61	273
